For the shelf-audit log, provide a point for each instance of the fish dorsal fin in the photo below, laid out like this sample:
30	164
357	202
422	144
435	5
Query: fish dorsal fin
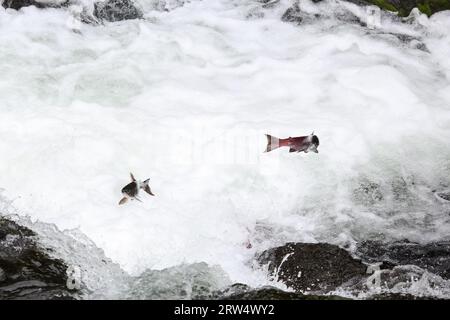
132	177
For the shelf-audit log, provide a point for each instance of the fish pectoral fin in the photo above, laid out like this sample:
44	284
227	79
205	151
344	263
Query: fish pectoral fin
148	190
292	150
138	199
132	177
123	200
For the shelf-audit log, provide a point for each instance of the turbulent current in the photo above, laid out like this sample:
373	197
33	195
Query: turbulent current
184	97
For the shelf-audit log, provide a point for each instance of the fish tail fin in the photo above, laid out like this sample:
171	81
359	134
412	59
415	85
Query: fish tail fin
146	187
272	143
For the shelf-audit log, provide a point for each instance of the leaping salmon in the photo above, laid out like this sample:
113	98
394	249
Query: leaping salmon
295	144
131	190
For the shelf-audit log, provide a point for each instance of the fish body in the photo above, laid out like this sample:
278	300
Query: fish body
131	190
295	144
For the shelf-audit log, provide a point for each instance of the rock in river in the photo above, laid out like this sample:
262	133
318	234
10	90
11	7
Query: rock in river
317	267
117	10
26	270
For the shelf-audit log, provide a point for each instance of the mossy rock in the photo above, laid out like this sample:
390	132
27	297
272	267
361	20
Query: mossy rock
404	7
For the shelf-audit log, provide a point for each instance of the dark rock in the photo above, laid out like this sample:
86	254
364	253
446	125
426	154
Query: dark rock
359	2
18	4
406	39
269	3
26	270
443	195
240	291
108	10
293	14
399	296
117	10
313	267
434	257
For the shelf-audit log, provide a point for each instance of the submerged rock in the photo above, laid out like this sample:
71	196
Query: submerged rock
26	270
186	281
443	195
433	257
295	14
239	291
399	296
108	10
312	267
17	4
117	10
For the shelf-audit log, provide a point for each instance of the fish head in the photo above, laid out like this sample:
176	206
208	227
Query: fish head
314	144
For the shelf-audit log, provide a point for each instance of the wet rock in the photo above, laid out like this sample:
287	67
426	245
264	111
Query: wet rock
399	296
295	14
269	3
403	191
367	192
312	267
2	275
433	257
241	291
17	4
26	270
108	10
357	2
117	10
443	195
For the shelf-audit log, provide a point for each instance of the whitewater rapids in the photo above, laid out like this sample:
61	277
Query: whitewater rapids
185	97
